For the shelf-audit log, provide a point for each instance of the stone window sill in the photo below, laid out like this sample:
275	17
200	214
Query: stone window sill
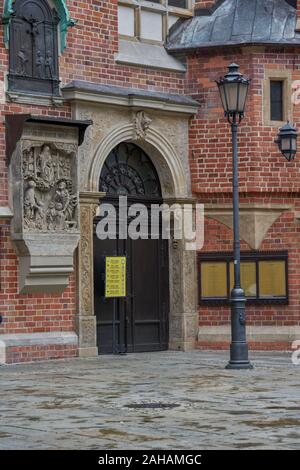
40	100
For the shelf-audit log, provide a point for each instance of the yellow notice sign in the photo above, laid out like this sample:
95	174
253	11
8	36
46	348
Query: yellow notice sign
115	276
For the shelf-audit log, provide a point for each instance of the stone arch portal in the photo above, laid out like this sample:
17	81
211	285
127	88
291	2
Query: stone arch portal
175	187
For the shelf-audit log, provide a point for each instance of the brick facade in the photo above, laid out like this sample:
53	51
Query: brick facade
89	56
264	175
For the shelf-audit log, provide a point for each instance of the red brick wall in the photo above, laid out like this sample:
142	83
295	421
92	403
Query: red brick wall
262	167
204	3
265	176
89	56
283	235
30	313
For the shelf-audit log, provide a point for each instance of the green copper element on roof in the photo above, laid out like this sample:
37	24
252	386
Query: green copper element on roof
62	11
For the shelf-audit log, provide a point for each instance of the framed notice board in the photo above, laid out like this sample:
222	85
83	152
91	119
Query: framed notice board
115	277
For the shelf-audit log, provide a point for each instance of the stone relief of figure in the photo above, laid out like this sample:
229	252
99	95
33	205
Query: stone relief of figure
50	216
49	65
33	208
60	217
34	26
141	125
68	201
46	164
39	64
22	62
28	164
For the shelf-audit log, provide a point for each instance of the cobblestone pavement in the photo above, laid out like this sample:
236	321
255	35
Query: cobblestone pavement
83	403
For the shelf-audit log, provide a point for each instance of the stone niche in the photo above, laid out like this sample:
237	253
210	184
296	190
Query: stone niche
43	179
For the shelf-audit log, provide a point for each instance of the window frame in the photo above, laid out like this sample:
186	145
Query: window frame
284	76
161	7
246	256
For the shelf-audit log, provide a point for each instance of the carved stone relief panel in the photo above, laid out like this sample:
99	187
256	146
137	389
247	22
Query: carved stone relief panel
50	198
44	188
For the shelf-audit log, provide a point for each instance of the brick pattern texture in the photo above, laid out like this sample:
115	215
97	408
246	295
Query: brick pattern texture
264	175
89	56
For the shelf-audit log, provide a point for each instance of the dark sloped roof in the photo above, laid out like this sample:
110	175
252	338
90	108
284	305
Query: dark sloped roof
236	22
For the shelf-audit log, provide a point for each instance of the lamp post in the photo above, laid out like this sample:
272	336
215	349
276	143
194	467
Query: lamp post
233	88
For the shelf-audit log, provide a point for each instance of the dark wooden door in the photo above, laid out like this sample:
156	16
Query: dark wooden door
139	322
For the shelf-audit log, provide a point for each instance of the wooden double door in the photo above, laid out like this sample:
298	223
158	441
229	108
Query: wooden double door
139	322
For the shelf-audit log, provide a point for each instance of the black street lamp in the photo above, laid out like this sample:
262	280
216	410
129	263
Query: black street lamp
233	88
287	141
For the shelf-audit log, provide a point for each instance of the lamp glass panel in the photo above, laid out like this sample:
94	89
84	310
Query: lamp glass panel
231	90
243	91
223	98
285	143
272	279
214	280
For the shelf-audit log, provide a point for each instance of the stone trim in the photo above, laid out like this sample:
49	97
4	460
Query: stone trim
286	77
258	334
78	91
255	219
38	100
86	320
6	212
35	339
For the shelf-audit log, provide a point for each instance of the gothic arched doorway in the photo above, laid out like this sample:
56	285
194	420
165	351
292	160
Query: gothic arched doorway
138	322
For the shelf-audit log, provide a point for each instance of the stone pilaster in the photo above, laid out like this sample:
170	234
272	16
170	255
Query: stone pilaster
86	320
183	293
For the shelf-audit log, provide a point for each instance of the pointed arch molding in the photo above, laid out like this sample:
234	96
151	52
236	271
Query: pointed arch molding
65	20
173	170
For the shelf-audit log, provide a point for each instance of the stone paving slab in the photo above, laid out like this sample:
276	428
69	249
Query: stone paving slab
83	403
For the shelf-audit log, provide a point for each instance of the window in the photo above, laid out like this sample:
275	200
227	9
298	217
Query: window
149	20
277	103
276	100
263	277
